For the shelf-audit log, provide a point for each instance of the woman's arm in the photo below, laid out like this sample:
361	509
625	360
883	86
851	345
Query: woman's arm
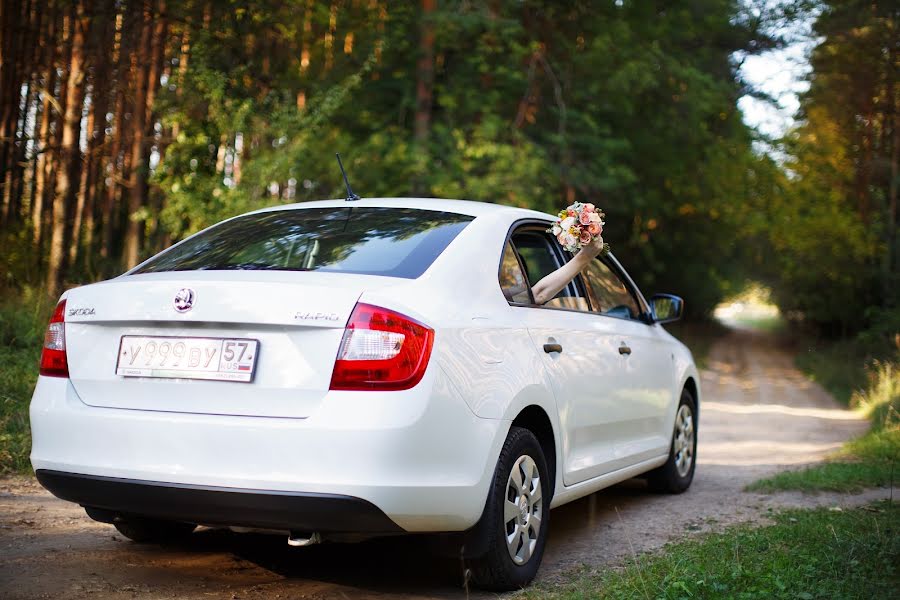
549	286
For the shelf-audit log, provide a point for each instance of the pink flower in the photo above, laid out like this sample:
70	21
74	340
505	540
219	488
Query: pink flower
595	228
589	207
585	236
561	236
584	218
571	212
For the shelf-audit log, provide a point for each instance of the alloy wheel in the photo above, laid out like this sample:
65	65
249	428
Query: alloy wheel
523	509
684	440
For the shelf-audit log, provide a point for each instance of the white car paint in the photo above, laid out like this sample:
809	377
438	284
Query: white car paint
424	456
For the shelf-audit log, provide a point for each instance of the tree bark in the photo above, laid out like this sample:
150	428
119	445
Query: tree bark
31	52
137	191
14	66
424	93
106	44
69	152
42	147
157	53
115	172
56	158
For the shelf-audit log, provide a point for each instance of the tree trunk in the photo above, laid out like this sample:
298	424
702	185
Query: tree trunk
115	173
69	152
157	53
137	191
14	66
57	160
892	255
31	53
100	48
42	145
183	58
424	92
95	184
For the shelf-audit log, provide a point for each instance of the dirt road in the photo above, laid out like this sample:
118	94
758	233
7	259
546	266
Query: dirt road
759	416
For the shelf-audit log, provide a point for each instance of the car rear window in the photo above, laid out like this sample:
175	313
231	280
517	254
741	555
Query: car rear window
394	242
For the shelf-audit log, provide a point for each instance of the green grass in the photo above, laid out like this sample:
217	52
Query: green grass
22	323
806	554
770	324
839	367
872	460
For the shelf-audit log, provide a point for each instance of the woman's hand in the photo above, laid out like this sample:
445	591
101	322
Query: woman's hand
594	249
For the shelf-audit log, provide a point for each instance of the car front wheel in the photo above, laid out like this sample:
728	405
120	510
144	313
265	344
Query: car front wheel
677	474
516	515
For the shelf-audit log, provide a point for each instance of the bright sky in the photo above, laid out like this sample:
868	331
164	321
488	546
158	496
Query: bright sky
780	74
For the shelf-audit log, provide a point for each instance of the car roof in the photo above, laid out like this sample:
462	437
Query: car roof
464	207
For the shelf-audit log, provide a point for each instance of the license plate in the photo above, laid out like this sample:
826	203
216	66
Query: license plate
220	359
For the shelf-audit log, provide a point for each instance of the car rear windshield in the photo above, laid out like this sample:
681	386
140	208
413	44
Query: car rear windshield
394	242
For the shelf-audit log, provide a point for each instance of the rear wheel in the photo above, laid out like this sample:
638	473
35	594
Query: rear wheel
516	515
677	474
153	531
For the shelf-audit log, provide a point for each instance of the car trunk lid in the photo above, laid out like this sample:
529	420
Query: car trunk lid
298	320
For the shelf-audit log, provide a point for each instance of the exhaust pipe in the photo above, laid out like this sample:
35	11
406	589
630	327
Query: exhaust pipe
300	540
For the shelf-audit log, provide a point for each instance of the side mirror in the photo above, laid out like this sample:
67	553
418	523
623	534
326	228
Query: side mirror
666	308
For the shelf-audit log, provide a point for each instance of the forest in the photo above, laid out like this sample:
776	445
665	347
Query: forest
126	125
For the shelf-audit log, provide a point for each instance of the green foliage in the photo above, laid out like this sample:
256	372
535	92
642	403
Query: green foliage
831	233
532	105
22	325
838	366
806	554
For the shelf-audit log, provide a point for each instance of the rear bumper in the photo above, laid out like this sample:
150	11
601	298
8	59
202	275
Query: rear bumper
266	509
420	457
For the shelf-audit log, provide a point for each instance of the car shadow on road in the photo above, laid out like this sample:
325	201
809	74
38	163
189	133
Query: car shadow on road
416	565
402	564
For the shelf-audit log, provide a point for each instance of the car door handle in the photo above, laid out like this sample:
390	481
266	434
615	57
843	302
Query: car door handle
624	350
548	348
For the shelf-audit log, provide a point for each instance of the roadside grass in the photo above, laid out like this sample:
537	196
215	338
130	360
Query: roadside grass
806	554
839	367
22	323
867	461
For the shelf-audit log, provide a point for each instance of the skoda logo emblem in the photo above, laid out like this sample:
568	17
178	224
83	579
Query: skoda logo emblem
184	300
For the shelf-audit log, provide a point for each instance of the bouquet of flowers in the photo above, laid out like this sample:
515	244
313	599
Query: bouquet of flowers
578	225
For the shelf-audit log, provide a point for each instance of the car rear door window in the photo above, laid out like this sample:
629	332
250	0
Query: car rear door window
394	242
540	258
512	279
609	295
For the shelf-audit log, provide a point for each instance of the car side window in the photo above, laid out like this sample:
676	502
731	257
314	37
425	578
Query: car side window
539	259
512	280
609	295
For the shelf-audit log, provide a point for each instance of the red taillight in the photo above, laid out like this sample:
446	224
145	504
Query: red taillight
381	350
53	356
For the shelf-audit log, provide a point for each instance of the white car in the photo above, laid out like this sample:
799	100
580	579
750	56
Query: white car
368	367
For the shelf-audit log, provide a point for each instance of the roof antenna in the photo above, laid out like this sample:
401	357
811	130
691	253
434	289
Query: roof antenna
350	194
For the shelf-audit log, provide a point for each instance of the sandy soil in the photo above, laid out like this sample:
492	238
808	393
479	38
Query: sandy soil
759	416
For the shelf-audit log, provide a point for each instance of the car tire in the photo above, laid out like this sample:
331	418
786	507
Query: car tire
676	475
516	516
153	531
